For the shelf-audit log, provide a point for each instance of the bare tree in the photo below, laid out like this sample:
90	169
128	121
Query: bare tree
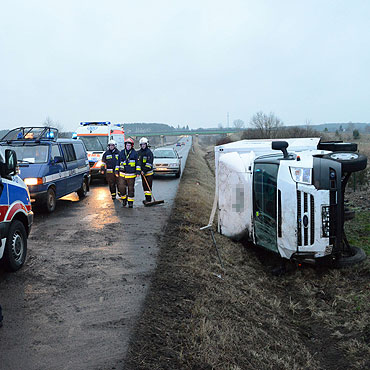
267	125
51	123
238	123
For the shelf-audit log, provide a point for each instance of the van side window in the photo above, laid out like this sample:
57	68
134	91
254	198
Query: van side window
80	151
55	151
69	152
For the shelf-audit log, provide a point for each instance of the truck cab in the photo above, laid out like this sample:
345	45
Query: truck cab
290	203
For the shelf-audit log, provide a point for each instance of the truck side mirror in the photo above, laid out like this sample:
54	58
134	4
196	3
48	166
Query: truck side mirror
280	145
11	162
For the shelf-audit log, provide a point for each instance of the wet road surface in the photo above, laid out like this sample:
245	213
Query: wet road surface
74	303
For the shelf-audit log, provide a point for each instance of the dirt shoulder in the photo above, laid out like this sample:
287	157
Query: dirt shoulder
198	317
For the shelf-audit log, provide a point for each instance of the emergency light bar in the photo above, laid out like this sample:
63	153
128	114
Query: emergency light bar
94	123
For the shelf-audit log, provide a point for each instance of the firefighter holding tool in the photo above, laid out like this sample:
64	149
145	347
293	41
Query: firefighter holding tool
127	169
146	163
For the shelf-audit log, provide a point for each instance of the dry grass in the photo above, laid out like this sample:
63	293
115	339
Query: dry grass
247	319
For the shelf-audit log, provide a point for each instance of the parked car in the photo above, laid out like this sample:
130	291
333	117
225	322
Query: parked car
290	203
167	161
16	215
50	167
178	144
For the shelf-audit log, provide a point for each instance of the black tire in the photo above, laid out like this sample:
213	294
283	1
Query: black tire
338	147
356	255
82	191
16	246
51	201
178	174
351	162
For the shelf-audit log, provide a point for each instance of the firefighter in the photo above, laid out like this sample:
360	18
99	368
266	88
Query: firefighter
110	161
127	169
146	165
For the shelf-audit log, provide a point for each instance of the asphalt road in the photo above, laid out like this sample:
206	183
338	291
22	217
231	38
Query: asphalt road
74	303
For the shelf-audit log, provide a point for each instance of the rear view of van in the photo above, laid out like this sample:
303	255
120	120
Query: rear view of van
50	167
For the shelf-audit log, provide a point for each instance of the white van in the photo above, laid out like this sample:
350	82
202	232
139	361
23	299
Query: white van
290	203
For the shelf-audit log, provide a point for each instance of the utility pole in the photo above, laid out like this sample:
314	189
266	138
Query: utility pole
228	120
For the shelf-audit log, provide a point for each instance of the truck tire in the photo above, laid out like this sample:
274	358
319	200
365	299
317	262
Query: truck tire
351	162
338	147
51	201
16	246
82	191
357	255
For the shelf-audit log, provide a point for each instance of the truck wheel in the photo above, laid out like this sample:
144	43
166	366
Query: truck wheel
16	246
351	162
338	147
82	191
50	201
355	256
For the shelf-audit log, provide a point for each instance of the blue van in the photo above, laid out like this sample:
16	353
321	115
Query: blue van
50	167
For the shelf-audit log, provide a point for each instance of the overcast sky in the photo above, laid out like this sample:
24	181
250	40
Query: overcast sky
183	62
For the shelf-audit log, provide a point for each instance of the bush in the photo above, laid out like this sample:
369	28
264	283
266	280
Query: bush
282	132
224	140
356	134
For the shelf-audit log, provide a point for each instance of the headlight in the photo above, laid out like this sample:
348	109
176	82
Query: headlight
303	175
29	181
173	165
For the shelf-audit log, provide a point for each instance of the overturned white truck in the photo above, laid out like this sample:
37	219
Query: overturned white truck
290	203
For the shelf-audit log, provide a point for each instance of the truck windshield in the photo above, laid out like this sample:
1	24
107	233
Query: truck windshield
264	204
30	153
95	143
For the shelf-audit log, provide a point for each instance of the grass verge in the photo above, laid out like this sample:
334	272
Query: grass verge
245	319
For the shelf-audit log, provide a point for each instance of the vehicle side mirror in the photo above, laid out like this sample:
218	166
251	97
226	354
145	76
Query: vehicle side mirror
11	162
180	156
280	145
58	159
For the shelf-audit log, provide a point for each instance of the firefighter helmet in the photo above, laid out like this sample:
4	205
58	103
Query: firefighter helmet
112	142
130	141
143	140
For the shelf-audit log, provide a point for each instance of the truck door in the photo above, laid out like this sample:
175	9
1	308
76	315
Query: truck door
264	204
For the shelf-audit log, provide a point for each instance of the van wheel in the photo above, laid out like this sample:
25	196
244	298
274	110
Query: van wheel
351	162
355	255
16	246
50	201
82	191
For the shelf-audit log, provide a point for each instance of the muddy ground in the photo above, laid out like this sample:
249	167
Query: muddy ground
75	302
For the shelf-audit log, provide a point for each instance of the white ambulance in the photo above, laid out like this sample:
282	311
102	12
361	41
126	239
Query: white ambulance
95	136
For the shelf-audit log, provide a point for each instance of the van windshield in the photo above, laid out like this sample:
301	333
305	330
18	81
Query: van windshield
30	153
95	143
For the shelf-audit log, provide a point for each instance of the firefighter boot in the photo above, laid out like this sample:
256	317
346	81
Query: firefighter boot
130	204
113	196
124	202
148	198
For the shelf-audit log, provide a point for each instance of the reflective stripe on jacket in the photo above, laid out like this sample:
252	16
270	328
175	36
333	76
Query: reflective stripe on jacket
128	164
146	160
110	158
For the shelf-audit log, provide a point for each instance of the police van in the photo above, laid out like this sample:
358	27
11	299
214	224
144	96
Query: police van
50	167
95	136
16	215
